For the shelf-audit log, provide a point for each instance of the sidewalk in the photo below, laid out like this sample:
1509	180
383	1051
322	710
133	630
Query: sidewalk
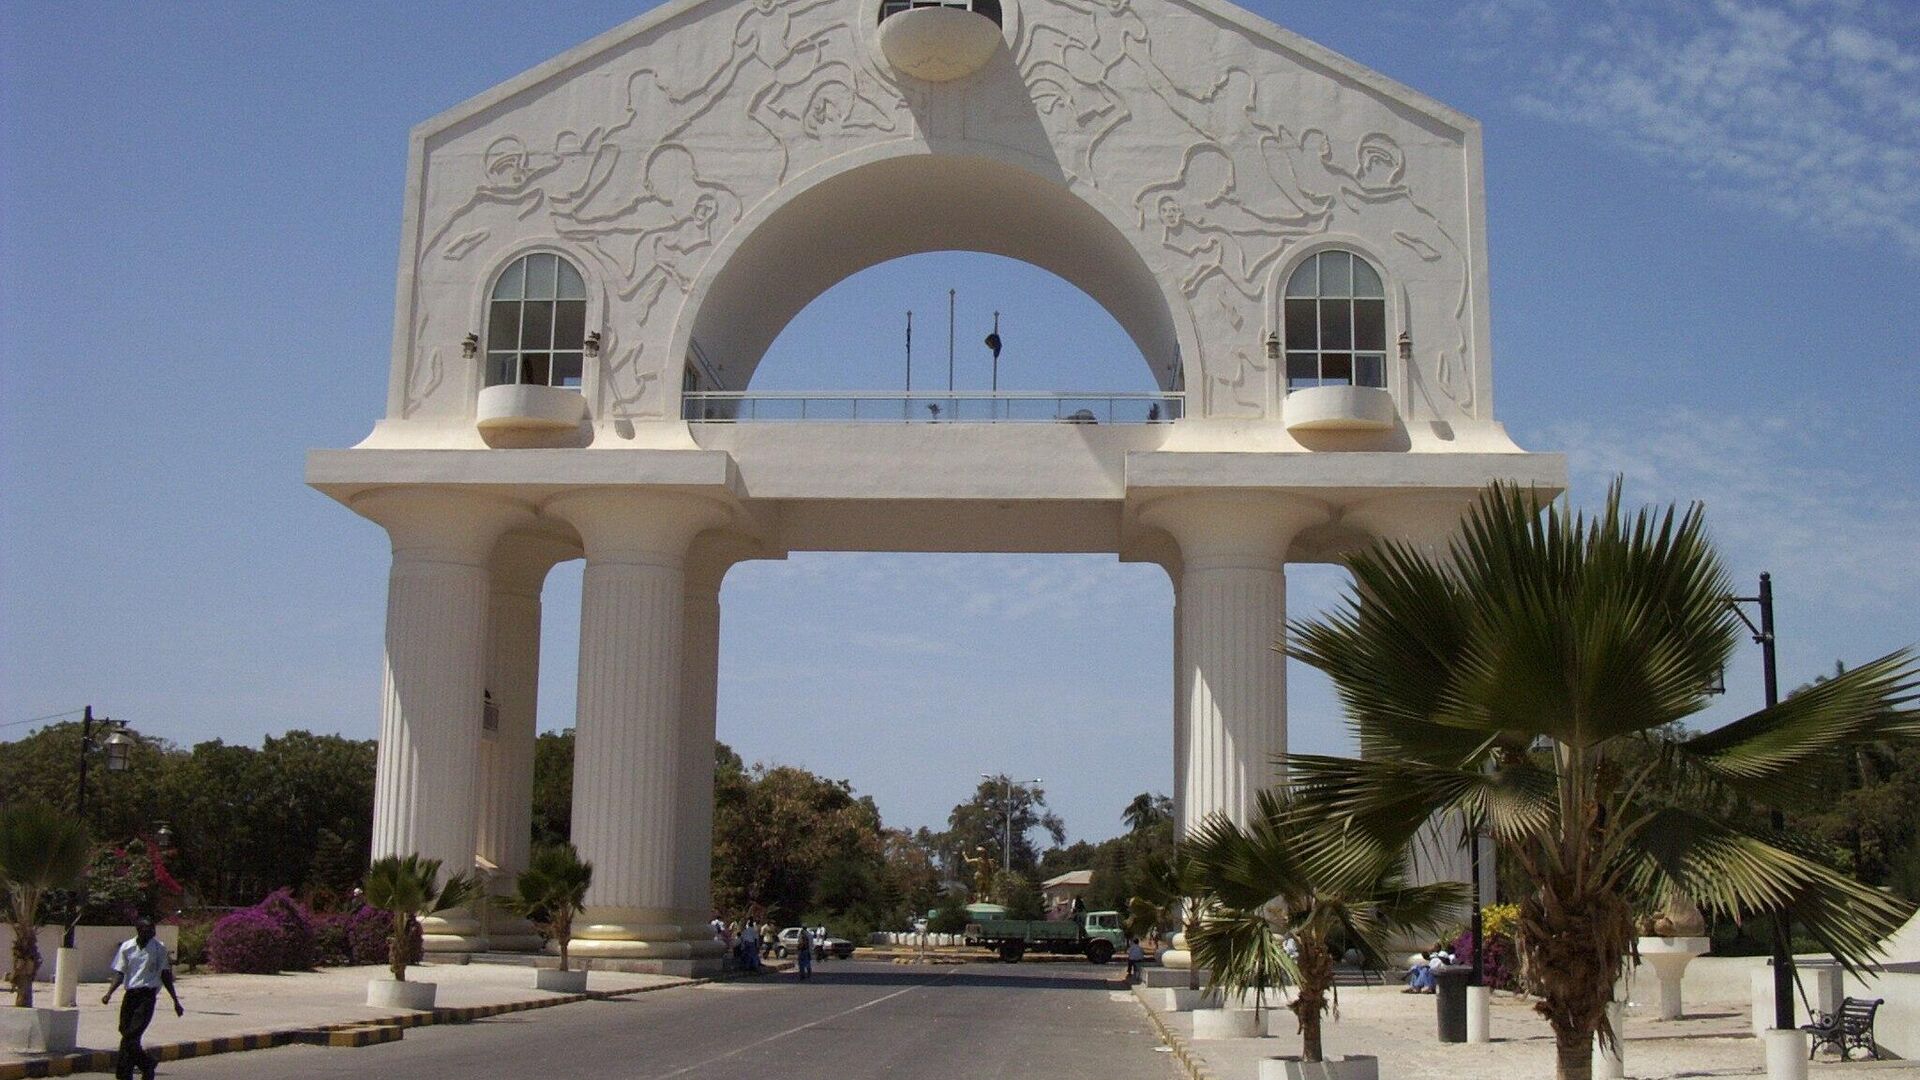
1715	1039
234	1012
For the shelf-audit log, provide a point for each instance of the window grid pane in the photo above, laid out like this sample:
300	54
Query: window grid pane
536	323
1335	323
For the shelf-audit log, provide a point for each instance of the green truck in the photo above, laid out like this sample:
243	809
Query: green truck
1094	934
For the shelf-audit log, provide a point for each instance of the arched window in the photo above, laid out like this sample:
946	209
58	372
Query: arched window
537	323
1336	323
989	8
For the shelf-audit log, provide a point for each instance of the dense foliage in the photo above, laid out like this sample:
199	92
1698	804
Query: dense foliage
295	812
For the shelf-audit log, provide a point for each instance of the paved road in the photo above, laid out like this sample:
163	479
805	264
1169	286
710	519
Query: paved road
852	1020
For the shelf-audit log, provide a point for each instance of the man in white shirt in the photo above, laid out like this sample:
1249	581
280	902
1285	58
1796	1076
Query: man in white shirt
142	965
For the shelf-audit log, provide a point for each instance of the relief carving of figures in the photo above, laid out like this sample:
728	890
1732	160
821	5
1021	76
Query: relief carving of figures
625	383
837	99
1373	198
513	189
664	233
1076	71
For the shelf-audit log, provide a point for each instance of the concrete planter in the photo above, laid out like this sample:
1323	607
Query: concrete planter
1181	999
1227	1024
565	982
39	1031
1356	1067
393	994
1158	977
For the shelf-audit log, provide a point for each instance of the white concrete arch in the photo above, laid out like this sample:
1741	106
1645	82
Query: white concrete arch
901	201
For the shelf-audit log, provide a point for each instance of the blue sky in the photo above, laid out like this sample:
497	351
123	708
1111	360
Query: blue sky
1705	236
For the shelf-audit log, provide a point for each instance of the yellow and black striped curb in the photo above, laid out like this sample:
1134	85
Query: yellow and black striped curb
349	1034
1191	1064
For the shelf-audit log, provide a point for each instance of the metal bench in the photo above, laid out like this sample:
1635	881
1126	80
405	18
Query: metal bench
1847	1030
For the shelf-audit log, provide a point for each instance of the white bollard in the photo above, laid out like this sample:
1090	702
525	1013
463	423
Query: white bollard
66	978
1479	1014
1786	1054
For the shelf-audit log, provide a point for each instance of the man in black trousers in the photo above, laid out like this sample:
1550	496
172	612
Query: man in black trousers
141	964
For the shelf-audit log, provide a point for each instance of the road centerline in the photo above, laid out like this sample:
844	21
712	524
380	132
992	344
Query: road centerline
738	1050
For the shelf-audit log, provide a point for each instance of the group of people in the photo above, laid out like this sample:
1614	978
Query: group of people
1422	968
750	943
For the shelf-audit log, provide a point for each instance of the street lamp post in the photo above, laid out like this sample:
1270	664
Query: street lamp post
116	744
1782	926
1006	862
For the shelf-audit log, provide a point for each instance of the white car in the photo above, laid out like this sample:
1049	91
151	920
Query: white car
789	942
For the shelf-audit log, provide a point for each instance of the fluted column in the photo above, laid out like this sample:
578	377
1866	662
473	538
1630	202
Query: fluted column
699	711
1232	621
505	820
628	735
1430	523
428	760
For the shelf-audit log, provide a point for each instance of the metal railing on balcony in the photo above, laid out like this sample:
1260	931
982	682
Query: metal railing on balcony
960	407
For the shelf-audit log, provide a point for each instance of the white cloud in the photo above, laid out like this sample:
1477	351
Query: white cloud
1806	109
1842	532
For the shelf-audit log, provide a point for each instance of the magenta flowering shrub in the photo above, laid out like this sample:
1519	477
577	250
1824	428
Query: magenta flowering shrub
368	932
296	929
247	942
1503	960
277	934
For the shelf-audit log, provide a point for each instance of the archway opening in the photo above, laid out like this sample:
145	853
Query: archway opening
913	205
956	305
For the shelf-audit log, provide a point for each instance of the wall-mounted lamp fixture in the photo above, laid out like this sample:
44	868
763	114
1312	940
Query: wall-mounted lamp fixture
470	347
592	345
1273	344
1406	345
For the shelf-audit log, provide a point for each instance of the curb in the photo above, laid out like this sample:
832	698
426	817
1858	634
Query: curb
1191	1064
348	1034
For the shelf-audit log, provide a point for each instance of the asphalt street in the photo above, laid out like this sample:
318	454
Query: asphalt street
853	1019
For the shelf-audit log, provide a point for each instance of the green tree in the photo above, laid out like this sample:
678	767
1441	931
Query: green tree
775	832
981	821
1287	875
40	849
553	787
1588	638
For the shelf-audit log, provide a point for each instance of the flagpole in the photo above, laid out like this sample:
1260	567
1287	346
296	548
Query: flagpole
906	406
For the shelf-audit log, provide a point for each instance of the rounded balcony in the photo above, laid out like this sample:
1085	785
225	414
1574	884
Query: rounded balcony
1340	408
938	42
526	407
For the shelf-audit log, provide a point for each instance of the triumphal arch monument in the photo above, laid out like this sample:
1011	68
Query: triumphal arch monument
597	254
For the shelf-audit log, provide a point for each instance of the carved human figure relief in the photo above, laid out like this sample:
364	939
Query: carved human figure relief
516	187
664	233
1373	198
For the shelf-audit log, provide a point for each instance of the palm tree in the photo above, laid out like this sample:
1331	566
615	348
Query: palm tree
1169	890
1287	875
1529	679
409	887
551	891
40	849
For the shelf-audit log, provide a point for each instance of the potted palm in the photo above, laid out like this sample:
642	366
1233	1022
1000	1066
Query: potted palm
1286	877
1170	893
40	849
408	887
548	894
1533	678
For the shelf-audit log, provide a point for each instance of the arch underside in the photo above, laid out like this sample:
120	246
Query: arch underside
913	205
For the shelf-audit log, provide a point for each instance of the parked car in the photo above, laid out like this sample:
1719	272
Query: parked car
789	941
